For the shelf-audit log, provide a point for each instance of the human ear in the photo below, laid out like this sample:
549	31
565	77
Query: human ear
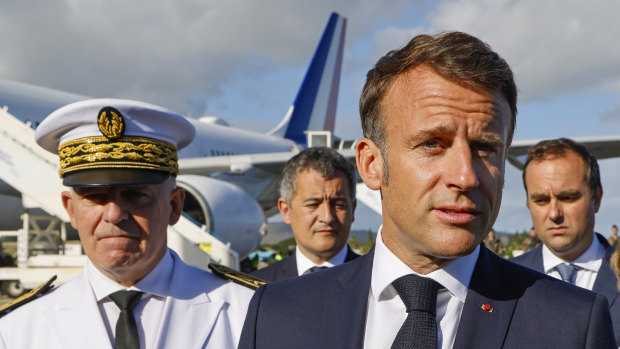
369	163
177	197
284	210
67	203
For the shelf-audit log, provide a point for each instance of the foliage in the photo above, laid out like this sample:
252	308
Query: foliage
515	242
360	247
284	247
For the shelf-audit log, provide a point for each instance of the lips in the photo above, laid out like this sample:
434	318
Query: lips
558	230
116	235
456	215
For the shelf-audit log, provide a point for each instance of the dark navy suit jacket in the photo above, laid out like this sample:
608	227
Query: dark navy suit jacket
530	310
605	284
287	268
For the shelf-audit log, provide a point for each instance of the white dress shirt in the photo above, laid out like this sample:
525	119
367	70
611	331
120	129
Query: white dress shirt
386	311
589	263
148	312
304	263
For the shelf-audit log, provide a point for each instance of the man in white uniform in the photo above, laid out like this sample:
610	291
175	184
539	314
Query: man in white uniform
119	160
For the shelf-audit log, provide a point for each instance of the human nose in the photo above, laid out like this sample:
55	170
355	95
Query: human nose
555	212
461	172
326	213
114	211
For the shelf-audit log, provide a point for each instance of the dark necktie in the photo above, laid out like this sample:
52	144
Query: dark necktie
126	329
420	297
315	268
567	272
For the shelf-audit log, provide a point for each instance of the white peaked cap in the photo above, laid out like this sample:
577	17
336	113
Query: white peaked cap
99	135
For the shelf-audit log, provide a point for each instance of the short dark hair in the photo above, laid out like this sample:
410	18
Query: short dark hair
558	148
326	161
456	56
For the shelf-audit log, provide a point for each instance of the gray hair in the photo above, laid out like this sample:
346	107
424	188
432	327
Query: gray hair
324	160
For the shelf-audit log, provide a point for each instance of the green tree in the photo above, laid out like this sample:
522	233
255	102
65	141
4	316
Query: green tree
515	242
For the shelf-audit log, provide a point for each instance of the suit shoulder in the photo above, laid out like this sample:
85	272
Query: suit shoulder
34	294
312	283
237	277
278	270
528	258
548	286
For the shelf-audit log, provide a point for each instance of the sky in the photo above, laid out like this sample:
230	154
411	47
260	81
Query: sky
243	60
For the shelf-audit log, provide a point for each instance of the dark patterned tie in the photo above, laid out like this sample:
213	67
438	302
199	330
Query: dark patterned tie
315	268
126	329
567	272
420	297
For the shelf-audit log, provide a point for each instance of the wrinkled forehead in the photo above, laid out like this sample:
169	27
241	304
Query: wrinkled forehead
421	91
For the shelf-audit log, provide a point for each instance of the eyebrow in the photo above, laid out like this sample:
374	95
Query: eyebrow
320	198
563	193
538	196
488	138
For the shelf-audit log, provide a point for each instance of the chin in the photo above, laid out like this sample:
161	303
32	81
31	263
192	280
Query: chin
453	246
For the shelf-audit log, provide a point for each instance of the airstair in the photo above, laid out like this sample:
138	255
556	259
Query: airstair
42	246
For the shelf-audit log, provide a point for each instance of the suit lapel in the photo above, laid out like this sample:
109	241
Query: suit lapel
488	288
289	268
75	318
350	255
537	260
343	321
606	282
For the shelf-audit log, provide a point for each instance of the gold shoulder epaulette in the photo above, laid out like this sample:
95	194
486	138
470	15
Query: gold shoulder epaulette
27	297
237	277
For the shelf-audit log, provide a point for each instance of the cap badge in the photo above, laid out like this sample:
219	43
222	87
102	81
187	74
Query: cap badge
111	123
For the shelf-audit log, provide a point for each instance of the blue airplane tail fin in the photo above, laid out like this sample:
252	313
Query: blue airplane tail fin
314	108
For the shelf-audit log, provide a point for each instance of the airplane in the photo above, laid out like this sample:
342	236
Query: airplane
230	175
225	165
601	147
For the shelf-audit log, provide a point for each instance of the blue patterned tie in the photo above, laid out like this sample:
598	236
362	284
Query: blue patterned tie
419	330
567	272
126	330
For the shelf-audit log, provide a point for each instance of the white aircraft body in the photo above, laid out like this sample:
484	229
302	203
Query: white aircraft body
230	175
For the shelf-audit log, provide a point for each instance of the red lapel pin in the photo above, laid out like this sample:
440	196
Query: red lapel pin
487	308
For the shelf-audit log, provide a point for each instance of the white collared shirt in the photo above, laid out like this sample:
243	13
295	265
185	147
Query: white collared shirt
304	263
386	311
589	262
148	312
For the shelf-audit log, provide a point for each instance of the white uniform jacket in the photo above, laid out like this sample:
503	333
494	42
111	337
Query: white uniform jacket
202	311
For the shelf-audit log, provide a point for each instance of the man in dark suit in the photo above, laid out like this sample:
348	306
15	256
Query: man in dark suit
318	201
564	192
438	116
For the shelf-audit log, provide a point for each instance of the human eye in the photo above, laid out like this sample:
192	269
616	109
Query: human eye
483	149
136	196
97	198
539	200
341	205
312	204
93	195
570	197
431	144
